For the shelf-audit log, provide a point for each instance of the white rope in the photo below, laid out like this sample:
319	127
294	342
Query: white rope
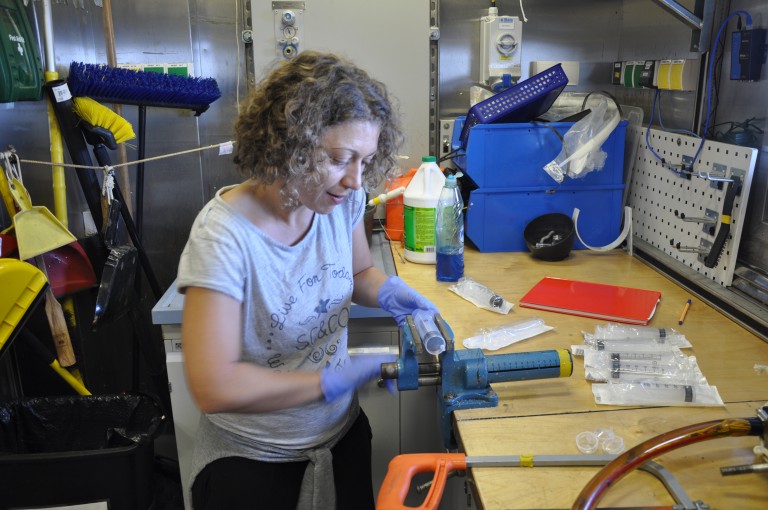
224	148
108	187
12	165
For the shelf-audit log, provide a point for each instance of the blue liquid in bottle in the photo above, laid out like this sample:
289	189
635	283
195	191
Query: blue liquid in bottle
450	265
449	233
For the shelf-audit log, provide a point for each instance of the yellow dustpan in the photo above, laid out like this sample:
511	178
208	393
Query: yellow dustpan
37	229
23	285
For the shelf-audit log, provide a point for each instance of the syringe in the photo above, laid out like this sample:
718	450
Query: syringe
657	392
431	338
628	366
613	331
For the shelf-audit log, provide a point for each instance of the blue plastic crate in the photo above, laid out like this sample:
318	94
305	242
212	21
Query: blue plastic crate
496	218
514	154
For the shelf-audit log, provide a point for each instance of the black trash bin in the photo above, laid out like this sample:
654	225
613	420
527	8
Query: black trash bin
71	450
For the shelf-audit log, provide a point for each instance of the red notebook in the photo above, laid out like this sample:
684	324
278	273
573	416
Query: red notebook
596	300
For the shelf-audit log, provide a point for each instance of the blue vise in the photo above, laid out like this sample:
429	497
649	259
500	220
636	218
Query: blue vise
465	376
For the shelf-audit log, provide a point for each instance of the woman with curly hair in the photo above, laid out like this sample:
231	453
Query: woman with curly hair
269	273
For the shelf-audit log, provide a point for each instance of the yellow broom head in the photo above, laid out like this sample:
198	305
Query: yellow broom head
96	114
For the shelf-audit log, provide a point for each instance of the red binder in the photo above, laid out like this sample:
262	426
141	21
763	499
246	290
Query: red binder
596	300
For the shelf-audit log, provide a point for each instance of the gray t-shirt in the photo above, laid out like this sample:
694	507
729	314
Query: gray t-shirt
296	302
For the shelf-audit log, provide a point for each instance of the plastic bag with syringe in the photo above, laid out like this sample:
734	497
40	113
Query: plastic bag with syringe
647	374
612	335
633	363
656	393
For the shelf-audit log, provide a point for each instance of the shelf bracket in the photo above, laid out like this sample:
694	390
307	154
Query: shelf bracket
700	20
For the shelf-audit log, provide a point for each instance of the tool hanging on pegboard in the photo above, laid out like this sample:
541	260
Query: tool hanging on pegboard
694	214
723	232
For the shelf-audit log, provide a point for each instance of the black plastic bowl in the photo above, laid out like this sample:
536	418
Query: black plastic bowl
550	236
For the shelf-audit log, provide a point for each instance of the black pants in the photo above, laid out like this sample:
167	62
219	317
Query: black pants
234	483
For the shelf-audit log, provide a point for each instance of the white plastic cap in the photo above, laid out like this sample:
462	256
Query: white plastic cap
587	442
613	445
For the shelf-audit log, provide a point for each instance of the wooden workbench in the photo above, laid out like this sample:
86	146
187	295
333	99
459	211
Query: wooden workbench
543	417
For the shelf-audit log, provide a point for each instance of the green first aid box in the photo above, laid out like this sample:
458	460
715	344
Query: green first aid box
21	72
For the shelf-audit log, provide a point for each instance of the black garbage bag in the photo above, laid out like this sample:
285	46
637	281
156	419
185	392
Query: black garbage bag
71	450
73	423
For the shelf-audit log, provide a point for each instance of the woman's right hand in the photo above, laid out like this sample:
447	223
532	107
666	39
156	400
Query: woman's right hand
360	370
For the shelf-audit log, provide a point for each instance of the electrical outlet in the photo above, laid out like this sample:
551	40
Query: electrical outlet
446	141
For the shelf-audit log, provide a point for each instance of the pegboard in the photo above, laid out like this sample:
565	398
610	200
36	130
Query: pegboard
679	212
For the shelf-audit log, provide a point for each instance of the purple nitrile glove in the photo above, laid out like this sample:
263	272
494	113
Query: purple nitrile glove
360	370
397	298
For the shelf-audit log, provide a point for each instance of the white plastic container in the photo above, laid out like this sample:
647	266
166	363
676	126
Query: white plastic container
419	204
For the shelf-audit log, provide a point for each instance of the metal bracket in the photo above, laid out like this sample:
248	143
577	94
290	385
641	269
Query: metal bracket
691	249
706	247
717	176
708	221
709	227
687	163
700	20
741	174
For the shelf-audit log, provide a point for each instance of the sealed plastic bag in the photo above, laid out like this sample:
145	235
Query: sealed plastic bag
480	295
497	337
652	393
582	152
612	331
629	365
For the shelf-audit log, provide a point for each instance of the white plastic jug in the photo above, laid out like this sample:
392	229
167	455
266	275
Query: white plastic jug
419	203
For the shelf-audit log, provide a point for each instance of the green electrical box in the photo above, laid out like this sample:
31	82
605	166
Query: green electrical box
21	70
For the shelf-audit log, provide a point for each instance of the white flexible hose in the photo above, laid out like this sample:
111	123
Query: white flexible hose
625	233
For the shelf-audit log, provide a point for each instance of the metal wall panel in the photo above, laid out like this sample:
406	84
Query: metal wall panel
207	33
740	101
390	40
594	33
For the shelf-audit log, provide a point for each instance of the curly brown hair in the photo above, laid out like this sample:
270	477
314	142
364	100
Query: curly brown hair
278	134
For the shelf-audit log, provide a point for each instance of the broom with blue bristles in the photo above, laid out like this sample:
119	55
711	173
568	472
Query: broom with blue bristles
116	85
143	88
